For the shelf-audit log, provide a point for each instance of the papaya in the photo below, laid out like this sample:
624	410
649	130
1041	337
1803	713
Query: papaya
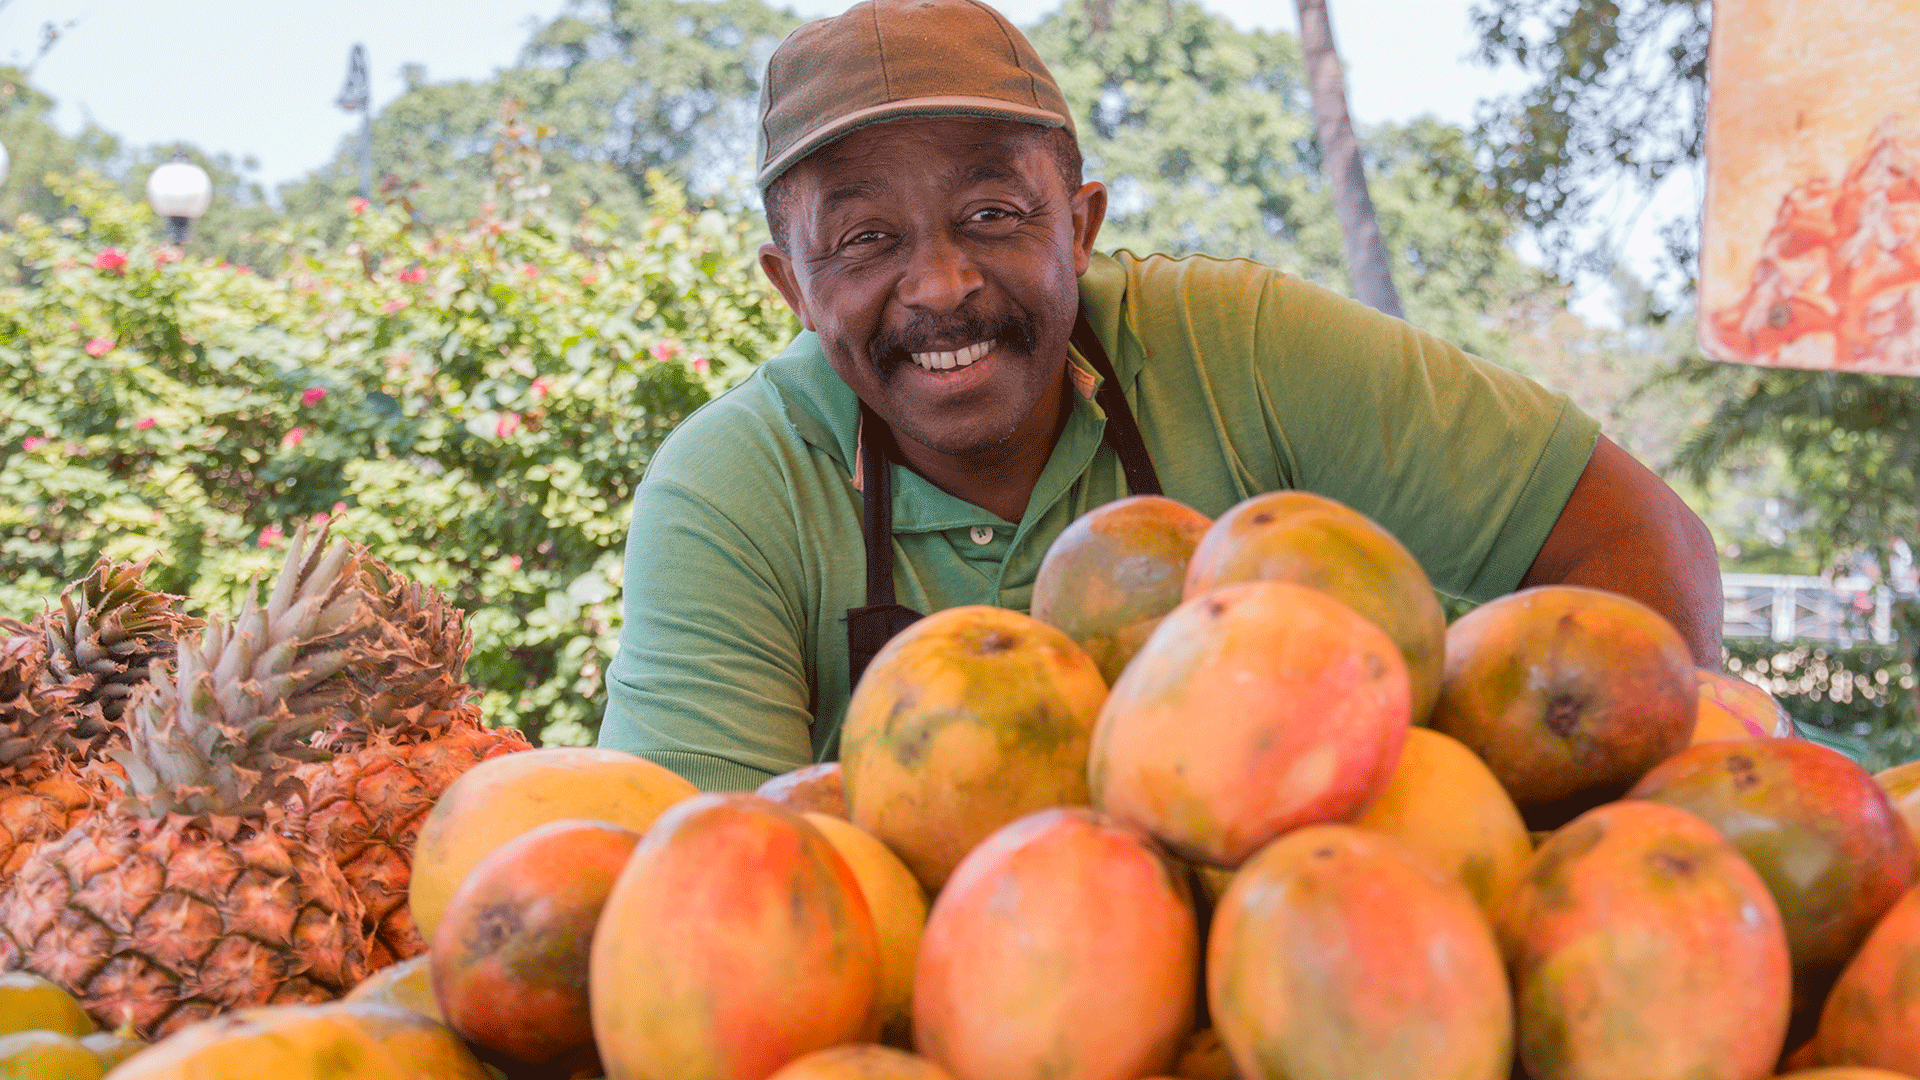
735	940
509	960
1254	709
861	1061
1733	708
966	720
1063	948
1872	1016
1902	785
1109	578
1569	694
502	797
1641	944
1340	953
899	909
1311	540
809	789
1443	802
1834	853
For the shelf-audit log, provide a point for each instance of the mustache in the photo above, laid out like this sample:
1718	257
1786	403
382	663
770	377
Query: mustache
892	350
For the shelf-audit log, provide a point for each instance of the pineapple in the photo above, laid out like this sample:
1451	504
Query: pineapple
406	733
194	894
41	791
107	636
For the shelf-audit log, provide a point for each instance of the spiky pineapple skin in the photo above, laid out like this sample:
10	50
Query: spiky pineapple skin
43	790
161	922
366	807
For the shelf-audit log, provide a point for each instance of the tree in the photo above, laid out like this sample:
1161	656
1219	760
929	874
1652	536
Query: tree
1204	135
1367	263
1618	97
612	91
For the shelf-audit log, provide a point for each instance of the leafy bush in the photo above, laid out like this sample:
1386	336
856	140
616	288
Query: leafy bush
1858	699
476	404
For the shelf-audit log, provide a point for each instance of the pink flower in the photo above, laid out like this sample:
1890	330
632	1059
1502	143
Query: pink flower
665	349
339	508
513	562
99	347
313	395
357	205
589	278
243	270
530	271
167	255
509	423
700	364
320	517
111	259
145	423
413	275
32	443
392	306
270	536
292	438
540	389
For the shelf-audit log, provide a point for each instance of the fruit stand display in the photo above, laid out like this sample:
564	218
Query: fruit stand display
1238	802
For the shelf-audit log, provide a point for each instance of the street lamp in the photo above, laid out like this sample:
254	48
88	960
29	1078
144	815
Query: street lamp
179	191
5	164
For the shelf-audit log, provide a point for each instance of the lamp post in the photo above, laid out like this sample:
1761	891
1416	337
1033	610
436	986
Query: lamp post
358	95
179	191
5	164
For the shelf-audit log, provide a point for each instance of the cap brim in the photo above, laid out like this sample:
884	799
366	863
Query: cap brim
990	108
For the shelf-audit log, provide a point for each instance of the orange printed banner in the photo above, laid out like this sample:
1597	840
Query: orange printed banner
1810	248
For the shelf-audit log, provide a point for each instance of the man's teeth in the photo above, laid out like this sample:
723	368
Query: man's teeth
942	361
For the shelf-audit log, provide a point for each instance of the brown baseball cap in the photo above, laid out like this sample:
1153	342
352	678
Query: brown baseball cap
886	59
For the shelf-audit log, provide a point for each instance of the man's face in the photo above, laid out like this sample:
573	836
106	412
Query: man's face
938	260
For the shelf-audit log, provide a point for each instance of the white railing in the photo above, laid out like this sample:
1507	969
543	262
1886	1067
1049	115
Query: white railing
1784	607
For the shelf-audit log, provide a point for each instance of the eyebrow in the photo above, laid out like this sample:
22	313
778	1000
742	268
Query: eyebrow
851	191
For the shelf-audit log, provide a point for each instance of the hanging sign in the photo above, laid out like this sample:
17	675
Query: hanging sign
1810	247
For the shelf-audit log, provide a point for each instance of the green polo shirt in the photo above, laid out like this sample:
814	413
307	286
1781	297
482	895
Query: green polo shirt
745	551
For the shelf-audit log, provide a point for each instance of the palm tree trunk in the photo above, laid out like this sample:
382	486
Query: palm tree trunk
1367	261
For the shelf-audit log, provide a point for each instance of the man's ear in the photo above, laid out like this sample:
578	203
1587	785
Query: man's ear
1089	212
779	270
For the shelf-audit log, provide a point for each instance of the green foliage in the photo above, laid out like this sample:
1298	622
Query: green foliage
1860	699
1619	96
1204	135
1853	441
618	90
477	404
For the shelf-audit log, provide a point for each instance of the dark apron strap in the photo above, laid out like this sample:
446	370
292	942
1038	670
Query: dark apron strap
869	628
1123	433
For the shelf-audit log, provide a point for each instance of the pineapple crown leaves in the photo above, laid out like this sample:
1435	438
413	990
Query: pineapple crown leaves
223	732
105	638
409	682
31	712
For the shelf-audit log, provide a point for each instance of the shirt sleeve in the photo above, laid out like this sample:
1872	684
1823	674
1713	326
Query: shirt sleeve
710	679
1469	464
1294	386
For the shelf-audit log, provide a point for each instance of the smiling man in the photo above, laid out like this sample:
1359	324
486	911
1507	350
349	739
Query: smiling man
974	375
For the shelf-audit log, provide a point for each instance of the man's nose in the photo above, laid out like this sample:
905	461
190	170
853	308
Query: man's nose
939	277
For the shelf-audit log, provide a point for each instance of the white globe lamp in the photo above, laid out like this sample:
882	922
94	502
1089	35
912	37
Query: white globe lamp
179	191
5	164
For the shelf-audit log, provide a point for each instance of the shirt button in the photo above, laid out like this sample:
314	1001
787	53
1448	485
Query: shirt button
981	534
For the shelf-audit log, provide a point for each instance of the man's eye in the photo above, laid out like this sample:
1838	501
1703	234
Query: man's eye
867	237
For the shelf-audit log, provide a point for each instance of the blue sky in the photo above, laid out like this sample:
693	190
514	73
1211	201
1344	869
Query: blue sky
259	77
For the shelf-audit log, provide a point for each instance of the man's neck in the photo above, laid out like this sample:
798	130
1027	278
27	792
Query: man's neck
1000	481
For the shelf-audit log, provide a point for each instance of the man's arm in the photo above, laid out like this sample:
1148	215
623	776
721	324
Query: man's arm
1626	531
